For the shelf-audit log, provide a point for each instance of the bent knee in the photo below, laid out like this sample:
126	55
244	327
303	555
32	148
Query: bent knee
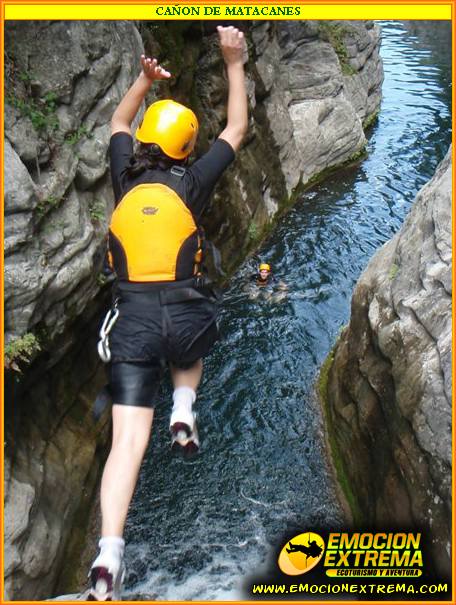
131	427
132	444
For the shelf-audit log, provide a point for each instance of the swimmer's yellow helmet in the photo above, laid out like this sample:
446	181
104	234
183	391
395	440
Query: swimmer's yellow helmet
171	126
264	267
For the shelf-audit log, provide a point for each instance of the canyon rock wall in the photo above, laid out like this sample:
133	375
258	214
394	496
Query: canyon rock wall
313	88
388	390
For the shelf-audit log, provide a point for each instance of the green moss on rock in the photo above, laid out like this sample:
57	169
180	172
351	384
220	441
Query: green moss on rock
336	454
370	119
354	159
335	34
393	271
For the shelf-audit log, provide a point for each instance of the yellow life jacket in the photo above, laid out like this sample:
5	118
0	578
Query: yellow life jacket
153	236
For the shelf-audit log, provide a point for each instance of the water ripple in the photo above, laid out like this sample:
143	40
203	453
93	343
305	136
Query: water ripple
197	528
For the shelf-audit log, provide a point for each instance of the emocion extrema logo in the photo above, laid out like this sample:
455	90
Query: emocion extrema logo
301	553
385	554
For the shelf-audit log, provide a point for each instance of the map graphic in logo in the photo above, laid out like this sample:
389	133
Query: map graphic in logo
301	553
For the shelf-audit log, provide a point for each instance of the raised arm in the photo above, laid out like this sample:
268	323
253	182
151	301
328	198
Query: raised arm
232	44
128	107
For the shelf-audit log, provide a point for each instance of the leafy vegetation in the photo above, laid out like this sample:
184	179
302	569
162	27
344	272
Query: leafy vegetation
26	77
97	210
74	137
41	112
21	349
47	204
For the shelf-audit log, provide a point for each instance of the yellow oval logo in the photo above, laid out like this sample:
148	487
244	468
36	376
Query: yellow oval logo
301	554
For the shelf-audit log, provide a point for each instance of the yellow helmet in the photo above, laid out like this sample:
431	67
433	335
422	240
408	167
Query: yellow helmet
170	125
265	267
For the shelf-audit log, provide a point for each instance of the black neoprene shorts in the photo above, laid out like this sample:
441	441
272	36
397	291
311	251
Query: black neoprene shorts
155	327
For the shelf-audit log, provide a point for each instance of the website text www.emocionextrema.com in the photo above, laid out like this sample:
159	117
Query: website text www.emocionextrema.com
348	588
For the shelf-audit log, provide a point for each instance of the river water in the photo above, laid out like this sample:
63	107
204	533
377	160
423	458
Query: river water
198	528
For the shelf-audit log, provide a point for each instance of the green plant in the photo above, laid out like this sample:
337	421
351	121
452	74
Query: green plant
21	349
26	77
335	34
97	210
47	204
41	112
50	101
72	138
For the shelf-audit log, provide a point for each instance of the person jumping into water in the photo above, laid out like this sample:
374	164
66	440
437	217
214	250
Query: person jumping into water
163	312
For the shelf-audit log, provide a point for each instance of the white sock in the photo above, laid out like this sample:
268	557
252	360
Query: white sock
184	397
112	543
111	553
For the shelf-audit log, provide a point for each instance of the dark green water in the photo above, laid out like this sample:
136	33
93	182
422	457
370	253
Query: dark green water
197	528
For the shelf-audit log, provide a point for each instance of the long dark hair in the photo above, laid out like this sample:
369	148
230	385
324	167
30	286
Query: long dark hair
150	156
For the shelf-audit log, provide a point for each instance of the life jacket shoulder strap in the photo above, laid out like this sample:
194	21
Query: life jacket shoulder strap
171	177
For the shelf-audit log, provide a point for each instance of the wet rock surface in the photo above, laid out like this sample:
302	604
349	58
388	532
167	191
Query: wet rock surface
389	386
311	87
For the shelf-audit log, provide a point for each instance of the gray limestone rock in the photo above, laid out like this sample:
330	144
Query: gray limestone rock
51	246
24	137
315	111
392	371
18	502
64	80
20	201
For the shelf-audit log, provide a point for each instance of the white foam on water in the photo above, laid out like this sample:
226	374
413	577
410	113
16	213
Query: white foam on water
221	579
210	584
